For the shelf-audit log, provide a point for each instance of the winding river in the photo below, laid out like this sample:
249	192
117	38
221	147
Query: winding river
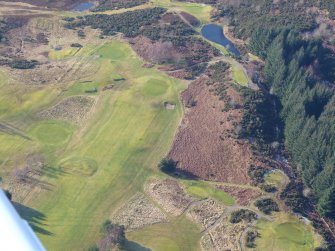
214	33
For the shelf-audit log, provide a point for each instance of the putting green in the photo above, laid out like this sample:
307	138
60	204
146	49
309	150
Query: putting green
287	233
52	132
154	87
203	190
201	11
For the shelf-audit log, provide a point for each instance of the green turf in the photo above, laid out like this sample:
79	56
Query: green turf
108	160
201	11
239	76
64	53
52	132
287	233
178	235
203	190
276	178
154	87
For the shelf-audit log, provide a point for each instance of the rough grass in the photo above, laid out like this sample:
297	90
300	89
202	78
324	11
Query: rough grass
276	178
286	233
203	190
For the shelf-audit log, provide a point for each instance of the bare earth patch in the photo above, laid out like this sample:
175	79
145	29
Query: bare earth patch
204	145
73	109
223	236
206	212
137	213
170	195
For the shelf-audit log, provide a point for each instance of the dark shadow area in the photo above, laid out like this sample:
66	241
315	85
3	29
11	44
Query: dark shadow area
35	218
53	172
316	106
134	246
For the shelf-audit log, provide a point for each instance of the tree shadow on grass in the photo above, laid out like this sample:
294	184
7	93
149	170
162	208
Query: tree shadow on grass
134	246
35	218
53	172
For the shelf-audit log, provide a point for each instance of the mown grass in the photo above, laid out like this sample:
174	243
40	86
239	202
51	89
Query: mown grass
201	11
239	76
203	190
125	139
287	233
178	235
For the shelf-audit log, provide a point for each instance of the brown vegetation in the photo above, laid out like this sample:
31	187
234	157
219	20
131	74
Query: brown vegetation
137	213
243	196
206	212
170	195
205	145
73	109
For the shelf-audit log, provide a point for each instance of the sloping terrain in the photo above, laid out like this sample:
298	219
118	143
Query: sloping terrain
92	101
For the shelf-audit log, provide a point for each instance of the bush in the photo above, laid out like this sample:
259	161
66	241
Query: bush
269	188
256	173
267	206
242	214
250	239
113	236
76	45
23	64
93	248
167	165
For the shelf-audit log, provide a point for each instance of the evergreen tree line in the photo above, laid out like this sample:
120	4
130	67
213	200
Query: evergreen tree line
301	73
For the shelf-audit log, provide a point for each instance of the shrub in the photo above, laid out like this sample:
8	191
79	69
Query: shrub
256	173
113	236
23	64
93	248
267	206
76	45
250	239
269	188
242	214
167	165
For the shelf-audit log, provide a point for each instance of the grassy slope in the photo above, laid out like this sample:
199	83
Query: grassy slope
127	136
118	149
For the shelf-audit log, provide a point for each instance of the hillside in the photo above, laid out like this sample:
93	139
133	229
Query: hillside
125	126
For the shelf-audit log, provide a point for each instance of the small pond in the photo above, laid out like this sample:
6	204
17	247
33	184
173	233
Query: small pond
214	33
83	6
